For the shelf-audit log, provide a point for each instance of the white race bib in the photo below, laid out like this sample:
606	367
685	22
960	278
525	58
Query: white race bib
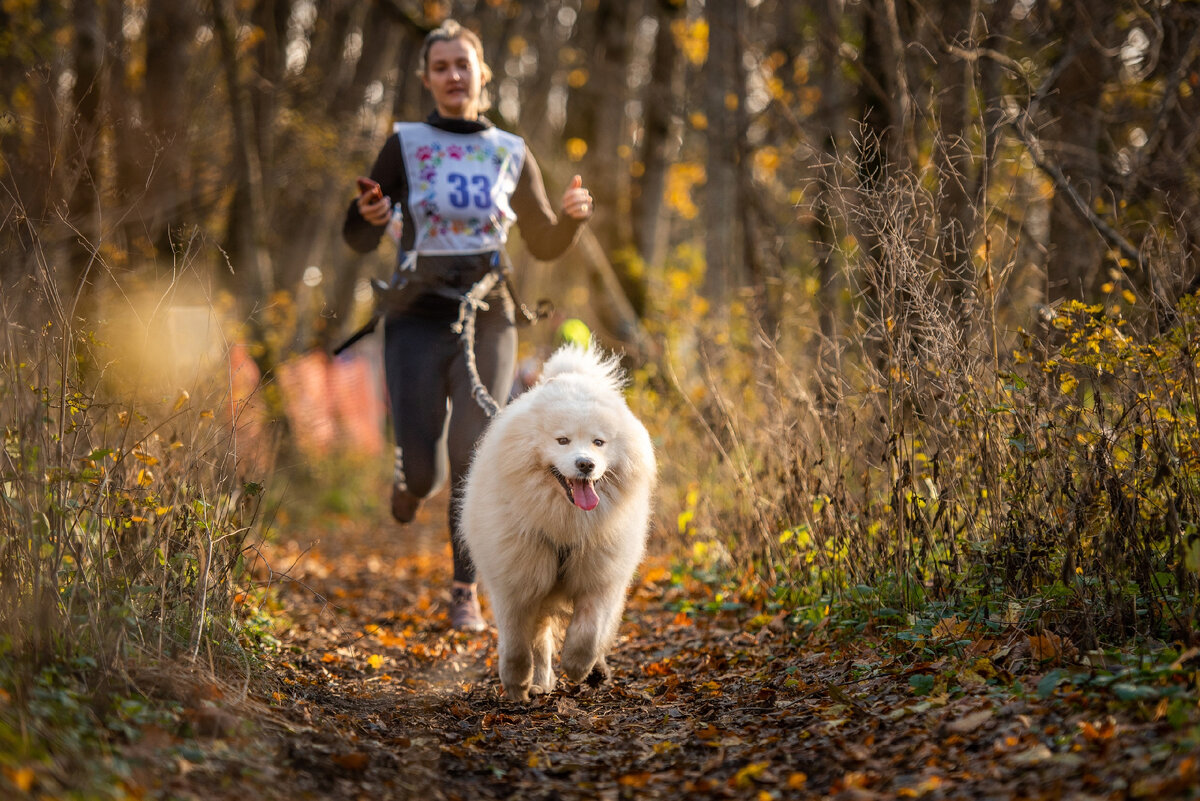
460	186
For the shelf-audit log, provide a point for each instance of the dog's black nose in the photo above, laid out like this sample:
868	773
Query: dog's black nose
585	466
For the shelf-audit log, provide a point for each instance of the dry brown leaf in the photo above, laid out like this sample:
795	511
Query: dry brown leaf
355	760
970	722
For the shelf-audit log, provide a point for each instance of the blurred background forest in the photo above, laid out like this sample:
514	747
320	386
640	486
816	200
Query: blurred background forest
905	283
1055	141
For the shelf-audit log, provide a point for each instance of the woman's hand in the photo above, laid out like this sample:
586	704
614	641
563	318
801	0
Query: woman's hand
577	201
376	212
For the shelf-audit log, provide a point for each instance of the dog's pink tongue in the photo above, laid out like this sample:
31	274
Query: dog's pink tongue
585	494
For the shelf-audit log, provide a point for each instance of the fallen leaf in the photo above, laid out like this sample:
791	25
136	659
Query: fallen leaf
969	723
950	628
355	760
22	778
634	779
1105	731
749	774
1031	756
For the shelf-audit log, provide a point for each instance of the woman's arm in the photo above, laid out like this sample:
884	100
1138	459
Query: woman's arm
546	235
388	171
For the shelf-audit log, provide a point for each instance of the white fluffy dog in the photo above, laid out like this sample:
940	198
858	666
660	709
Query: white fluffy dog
555	514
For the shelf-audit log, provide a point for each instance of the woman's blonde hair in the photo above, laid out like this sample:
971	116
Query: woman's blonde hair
446	32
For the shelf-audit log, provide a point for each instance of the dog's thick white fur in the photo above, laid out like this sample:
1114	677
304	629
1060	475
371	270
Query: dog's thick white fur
555	514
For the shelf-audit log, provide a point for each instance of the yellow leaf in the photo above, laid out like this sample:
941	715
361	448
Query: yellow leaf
182	400
797	781
745	776
656	575
145	478
1046	646
1129	297
375	661
692	39
21	777
950	628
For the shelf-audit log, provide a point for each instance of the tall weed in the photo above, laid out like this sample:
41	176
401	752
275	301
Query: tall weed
123	517
1032	470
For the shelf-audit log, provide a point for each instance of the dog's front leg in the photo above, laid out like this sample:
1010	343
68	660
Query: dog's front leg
543	654
516	654
589	634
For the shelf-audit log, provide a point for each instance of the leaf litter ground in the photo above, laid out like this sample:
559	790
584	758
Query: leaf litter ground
371	695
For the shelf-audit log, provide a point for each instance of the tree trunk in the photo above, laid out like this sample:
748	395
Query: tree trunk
128	133
84	136
170	29
723	75
245	244
954	155
660	139
598	117
546	39
1074	141
271	17
831	121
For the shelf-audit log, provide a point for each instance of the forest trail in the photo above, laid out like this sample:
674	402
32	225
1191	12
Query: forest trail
373	697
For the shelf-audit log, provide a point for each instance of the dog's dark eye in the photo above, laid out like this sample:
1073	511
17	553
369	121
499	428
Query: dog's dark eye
599	443
564	441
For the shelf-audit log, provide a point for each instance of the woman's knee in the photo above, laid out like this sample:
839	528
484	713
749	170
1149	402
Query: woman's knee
419	477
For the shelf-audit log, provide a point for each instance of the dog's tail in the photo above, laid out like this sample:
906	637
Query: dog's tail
589	361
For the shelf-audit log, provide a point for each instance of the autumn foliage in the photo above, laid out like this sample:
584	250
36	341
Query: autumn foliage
908	293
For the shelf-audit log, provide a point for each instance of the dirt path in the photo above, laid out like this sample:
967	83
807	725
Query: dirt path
374	698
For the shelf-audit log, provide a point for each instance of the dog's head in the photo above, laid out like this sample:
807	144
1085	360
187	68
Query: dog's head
580	448
577	433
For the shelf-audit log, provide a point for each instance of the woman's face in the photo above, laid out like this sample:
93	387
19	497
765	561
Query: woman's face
453	77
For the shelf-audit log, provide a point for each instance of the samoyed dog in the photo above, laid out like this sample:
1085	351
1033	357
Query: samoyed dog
555	514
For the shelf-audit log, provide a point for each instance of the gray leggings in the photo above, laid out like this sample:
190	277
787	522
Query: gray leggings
435	418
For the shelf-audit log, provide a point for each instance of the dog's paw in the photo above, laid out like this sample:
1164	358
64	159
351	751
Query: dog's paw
543	684
577	668
518	694
537	690
599	674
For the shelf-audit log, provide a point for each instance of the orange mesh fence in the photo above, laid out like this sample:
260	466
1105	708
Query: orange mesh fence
333	404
